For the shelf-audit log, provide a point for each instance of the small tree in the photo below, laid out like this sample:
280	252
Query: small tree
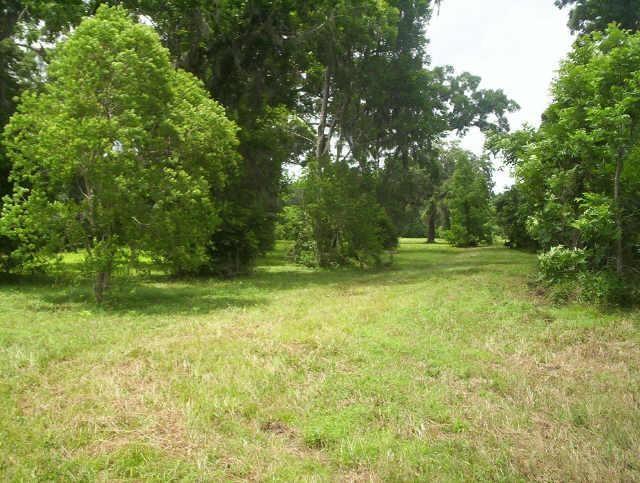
511	217
344	222
118	154
468	201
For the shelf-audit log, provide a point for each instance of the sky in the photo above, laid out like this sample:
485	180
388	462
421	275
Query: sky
514	45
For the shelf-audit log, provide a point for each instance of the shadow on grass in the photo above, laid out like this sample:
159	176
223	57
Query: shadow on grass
154	295
160	295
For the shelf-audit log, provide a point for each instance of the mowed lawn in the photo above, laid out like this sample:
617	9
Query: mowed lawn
446	366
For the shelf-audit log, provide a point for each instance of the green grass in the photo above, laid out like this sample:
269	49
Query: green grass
444	367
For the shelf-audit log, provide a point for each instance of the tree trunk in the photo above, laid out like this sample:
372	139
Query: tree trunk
431	223
103	277
101	285
431	229
618	208
321	141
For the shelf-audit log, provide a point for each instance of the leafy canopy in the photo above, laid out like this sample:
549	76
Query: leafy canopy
587	16
119	153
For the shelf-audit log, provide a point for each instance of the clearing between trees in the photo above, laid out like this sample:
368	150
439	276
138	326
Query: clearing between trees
443	366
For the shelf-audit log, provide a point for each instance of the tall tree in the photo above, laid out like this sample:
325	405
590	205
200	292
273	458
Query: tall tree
579	173
119	153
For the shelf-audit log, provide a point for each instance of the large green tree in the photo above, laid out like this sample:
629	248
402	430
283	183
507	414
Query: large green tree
579	174
118	154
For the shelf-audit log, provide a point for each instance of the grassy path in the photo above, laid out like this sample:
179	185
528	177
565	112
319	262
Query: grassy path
444	367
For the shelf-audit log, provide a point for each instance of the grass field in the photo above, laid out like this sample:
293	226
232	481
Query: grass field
444	367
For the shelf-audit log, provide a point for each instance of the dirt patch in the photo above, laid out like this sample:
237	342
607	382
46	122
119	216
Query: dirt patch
277	427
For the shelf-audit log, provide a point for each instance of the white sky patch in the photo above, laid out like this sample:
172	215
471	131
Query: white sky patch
514	45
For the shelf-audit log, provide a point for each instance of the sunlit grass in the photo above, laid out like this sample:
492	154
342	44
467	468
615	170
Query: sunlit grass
443	366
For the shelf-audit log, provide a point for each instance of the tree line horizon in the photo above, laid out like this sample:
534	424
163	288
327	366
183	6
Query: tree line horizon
124	140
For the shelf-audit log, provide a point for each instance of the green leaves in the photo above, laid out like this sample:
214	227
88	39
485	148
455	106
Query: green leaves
468	196
119	153
590	15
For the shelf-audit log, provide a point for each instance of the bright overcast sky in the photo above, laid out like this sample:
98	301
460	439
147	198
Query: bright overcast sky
515	45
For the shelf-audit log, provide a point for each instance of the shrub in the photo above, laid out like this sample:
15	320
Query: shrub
605	288
565	274
559	264
343	222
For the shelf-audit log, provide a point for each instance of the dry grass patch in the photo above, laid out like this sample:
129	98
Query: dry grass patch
569	415
112	406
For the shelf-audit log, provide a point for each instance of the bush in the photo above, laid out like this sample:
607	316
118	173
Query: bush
559	270
564	273
289	222
511	218
560	263
605	288
304	250
343	223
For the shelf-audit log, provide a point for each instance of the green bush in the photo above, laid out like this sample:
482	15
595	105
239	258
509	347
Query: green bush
565	274
560	263
343	223
605	288
289	222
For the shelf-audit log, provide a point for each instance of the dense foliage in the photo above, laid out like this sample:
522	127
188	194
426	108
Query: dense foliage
468	195
579	173
119	154
308	84
511	218
345	222
587	16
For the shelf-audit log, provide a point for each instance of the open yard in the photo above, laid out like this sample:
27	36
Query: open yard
444	366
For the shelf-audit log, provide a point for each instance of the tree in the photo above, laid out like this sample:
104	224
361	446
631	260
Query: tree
363	51
435	210
119	154
588	143
23	24
511	217
578	175
587	16
468	202
249	55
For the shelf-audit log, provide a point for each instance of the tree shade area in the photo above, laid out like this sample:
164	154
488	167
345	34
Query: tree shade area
242	240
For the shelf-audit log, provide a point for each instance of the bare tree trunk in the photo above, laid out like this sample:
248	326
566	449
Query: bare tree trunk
321	140
618	208
431	223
